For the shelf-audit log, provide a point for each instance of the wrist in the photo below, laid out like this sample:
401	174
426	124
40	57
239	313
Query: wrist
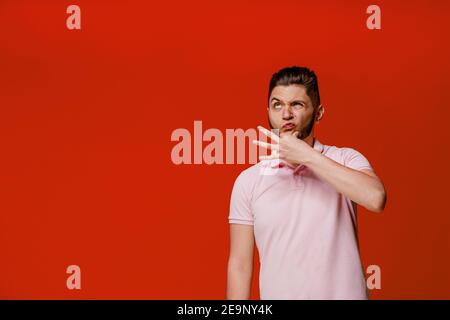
311	158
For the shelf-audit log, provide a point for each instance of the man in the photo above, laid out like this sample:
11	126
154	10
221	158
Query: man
302	217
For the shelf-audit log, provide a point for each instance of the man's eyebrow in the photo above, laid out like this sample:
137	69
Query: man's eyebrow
299	100
296	100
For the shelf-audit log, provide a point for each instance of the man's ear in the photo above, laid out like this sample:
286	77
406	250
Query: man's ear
320	112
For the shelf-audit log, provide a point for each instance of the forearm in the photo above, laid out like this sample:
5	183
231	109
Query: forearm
239	279
358	186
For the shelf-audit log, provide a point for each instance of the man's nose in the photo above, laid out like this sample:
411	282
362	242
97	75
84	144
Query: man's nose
287	113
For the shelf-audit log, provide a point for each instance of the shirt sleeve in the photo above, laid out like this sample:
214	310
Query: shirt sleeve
355	160
240	207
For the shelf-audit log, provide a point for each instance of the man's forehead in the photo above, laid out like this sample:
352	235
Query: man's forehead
289	93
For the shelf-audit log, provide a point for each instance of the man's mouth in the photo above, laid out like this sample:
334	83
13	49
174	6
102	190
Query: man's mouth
288	126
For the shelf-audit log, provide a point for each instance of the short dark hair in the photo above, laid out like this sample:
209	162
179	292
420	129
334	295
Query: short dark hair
300	76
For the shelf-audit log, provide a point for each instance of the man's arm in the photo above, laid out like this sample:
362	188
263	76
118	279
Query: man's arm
362	187
240	262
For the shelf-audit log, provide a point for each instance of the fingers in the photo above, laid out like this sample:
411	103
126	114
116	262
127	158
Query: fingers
269	133
273	156
265	145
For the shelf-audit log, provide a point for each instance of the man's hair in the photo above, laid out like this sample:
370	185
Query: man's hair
300	76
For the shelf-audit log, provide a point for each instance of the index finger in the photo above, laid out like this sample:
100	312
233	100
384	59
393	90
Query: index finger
269	133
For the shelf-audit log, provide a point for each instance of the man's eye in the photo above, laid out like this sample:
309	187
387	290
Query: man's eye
277	105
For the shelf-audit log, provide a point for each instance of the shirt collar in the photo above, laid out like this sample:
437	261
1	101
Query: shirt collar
280	163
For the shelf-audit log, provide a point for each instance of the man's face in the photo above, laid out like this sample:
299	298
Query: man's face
290	109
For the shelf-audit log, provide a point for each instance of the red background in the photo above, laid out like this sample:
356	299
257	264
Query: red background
86	118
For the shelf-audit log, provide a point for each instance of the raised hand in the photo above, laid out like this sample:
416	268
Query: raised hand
288	147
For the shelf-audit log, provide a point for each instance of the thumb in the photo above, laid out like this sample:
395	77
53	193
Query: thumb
295	134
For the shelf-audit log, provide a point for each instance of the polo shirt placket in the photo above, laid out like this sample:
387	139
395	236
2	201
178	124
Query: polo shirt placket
299	170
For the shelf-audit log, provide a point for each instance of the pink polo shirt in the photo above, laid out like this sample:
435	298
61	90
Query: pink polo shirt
305	231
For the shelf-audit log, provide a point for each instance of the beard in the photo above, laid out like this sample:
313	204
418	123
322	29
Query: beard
303	132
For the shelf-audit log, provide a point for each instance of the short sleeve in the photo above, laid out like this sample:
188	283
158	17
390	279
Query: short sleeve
355	160
240	207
